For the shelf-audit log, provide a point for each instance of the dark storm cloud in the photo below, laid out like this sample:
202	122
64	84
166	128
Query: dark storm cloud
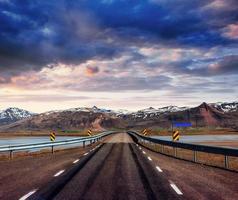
228	65
38	33
220	66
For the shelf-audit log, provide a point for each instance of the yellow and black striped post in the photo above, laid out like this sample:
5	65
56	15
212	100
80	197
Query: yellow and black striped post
145	131
176	136
52	137
89	132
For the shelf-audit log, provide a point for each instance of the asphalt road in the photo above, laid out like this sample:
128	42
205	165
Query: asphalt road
118	169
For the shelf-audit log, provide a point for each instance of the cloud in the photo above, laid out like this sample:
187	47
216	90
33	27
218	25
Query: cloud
111	46
91	70
227	65
231	31
41	98
44	33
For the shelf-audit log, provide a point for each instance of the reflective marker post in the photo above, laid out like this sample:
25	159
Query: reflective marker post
52	139
175	136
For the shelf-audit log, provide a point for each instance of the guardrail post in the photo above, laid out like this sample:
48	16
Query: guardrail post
83	144
52	149
11	154
175	152
162	148
194	156
165	147
226	162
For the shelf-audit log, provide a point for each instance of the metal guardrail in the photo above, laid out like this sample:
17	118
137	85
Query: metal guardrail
193	147
20	147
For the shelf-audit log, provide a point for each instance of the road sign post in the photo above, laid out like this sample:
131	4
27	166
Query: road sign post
52	139
175	136
145	131
89	132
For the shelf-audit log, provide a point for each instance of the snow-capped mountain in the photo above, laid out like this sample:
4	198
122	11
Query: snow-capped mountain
151	112
226	107
163	109
13	114
219	114
93	109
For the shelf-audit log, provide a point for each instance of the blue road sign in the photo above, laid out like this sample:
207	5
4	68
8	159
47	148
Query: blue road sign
182	124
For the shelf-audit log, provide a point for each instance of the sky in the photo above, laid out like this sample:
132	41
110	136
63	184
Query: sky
118	54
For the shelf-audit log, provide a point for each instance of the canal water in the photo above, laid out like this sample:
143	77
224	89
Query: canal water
6	141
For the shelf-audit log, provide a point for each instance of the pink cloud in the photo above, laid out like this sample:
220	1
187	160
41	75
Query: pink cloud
231	31
91	71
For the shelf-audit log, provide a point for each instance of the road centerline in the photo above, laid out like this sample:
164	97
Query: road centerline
159	169
76	161
58	173
28	194
175	188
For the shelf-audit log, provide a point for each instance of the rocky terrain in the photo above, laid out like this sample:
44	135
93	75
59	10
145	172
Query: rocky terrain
219	114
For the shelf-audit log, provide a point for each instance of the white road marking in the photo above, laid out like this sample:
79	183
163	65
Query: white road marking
175	188
85	154
27	195
140	148
158	168
143	152
58	173
136	144
76	161
149	158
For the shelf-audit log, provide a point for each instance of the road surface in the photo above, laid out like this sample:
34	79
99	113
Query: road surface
118	169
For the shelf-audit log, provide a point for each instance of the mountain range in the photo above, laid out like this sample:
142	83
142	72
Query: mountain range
214	114
10	115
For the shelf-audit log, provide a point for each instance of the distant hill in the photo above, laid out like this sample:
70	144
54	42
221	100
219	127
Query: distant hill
10	115
226	107
215	114
71	119
202	115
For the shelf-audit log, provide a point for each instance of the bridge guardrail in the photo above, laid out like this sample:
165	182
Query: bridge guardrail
226	152
20	147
